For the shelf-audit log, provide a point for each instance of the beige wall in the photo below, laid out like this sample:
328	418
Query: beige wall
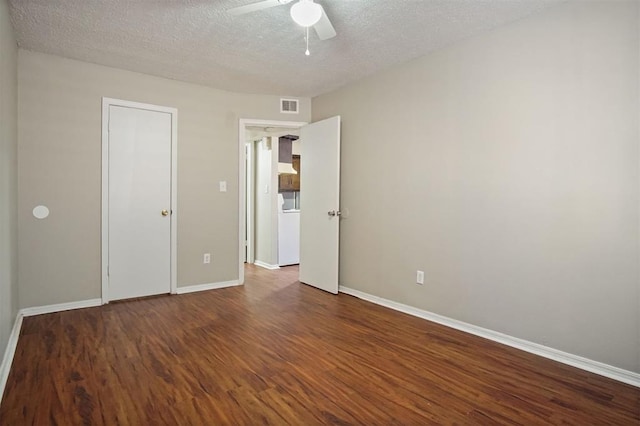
8	177
506	167
59	151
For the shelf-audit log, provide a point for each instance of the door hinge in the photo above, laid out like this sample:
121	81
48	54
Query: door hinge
107	270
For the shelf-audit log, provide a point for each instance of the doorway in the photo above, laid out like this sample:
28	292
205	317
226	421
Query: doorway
319	225
267	188
139	146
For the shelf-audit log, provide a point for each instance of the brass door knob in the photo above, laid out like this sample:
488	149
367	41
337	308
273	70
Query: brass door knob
165	212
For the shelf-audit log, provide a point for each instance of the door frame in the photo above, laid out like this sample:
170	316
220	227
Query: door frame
106	104
242	136
250	209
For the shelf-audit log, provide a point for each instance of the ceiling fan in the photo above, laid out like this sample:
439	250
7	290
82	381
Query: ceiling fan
305	13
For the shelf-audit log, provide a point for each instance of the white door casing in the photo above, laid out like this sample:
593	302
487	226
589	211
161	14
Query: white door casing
320	204
139	200
249	216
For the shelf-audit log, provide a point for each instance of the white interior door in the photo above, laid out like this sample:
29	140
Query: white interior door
139	202
319	204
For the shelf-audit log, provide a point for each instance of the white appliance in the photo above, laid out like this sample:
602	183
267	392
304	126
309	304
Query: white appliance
288	235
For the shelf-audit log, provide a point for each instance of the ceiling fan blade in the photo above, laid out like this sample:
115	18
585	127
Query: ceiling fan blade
253	7
323	28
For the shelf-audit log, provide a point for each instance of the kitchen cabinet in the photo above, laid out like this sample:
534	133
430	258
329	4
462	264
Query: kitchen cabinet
290	182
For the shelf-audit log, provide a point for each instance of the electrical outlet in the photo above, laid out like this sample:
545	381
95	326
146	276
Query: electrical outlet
420	277
206	258
223	186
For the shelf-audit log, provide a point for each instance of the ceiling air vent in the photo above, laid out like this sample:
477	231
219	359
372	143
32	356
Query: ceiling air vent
289	106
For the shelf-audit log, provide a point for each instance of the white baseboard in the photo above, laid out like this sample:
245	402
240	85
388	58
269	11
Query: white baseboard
203	287
625	376
266	265
39	310
9	352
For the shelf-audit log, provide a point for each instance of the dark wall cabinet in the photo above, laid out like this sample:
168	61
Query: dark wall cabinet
290	183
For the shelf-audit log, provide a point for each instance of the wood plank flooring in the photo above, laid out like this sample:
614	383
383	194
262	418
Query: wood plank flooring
278	352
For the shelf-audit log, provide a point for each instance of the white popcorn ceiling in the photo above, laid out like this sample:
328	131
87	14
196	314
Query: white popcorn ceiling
263	52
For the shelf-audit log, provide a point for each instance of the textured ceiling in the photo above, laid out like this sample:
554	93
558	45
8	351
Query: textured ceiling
262	52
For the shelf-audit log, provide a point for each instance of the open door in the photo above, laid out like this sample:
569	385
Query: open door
320	204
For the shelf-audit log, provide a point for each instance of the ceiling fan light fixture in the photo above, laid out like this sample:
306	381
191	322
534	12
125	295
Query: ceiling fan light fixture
306	13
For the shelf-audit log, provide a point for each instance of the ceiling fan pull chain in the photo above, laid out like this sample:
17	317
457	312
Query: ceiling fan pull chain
307	39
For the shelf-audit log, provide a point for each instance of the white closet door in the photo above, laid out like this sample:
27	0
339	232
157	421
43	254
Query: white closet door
139	262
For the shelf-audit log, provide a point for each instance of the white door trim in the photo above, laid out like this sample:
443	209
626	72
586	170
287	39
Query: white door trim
250	209
106	103
242	138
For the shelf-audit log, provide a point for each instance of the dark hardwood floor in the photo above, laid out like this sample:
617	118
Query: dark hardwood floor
278	352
